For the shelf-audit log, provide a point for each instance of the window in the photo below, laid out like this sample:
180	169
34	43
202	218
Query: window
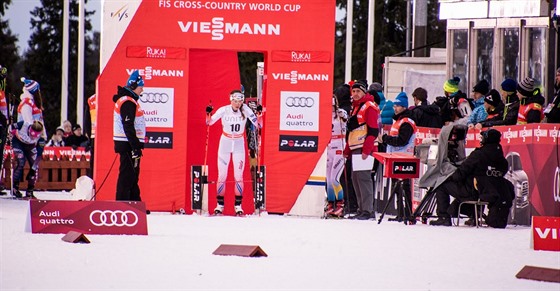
484	53
460	61
510	53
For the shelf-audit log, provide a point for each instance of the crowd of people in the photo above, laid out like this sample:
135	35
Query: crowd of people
367	111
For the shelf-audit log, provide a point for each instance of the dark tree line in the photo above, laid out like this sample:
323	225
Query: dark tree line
389	35
42	61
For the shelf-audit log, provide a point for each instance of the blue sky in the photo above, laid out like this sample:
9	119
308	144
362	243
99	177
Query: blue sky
18	15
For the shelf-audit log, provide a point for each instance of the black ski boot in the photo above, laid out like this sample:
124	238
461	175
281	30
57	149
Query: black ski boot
442	220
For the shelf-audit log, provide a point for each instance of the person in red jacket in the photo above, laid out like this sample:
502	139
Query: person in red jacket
363	129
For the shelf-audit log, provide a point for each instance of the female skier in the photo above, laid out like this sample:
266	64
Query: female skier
335	161
232	144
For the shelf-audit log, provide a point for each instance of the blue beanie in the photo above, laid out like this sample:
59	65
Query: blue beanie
509	85
401	100
135	78
30	85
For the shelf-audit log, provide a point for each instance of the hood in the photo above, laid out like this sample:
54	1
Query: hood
405	113
428	109
124	91
363	100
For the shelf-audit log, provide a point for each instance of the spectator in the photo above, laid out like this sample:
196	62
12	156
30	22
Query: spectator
424	114
385	106
494	108
479	113
455	106
363	129
530	102
552	111
401	139
77	139
57	140
67	126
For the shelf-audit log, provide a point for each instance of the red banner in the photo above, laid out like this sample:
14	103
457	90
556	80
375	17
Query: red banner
93	217
301	56
154	52
545	233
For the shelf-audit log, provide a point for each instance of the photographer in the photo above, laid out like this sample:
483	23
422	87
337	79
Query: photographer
476	177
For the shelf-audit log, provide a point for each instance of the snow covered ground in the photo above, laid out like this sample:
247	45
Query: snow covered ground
303	254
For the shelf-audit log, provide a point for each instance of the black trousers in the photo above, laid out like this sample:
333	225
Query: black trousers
127	183
447	189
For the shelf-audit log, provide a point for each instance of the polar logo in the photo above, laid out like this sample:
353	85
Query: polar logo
297	143
217	28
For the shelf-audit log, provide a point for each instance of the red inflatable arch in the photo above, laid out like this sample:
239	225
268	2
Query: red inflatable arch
187	53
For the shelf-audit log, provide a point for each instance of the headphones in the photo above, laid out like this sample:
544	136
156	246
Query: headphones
133	84
484	135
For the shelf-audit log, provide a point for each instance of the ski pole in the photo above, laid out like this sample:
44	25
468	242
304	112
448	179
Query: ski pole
205	166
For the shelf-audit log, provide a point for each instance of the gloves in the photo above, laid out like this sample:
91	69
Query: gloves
209	109
41	142
342	113
136	153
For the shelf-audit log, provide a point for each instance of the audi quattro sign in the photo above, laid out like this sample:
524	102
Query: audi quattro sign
299	111
91	217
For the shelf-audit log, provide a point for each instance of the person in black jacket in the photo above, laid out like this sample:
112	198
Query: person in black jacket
552	111
424	114
129	133
478	177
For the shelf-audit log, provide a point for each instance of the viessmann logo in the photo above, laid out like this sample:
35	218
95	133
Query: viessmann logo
295	76
218	28
149	72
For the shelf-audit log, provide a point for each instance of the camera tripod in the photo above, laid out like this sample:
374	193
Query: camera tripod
426	207
404	215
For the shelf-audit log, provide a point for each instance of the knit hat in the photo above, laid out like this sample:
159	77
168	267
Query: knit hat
361	84
60	128
509	85
490	136
451	85
526	87
401	100
30	85
493	98
482	87
375	87
420	94
135	78
76	126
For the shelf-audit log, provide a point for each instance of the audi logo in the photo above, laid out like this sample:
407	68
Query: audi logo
154	97
300	102
113	218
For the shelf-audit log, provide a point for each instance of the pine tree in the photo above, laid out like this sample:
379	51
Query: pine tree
43	58
8	52
389	36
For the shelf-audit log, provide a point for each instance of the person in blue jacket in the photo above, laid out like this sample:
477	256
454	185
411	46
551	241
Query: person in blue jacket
386	106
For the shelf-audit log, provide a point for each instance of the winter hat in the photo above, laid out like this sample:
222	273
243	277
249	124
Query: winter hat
482	87
76	126
375	87
490	136
509	85
361	84
401	100
493	98
135	78
30	85
451	85
526	87
60	128
420	94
